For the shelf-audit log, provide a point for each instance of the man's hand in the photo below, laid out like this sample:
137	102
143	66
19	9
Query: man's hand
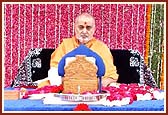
108	81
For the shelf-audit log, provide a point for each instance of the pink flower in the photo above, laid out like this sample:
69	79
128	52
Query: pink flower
123	86
45	89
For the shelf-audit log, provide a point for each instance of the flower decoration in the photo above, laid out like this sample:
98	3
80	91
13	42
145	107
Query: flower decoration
120	94
45	89
82	107
57	89
147	40
124	94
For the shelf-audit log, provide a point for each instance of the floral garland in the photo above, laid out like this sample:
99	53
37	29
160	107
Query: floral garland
124	94
120	94
158	70
148	17
52	89
162	70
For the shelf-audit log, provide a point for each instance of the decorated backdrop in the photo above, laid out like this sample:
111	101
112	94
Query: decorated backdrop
120	26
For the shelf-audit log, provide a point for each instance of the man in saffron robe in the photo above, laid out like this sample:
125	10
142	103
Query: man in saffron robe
84	30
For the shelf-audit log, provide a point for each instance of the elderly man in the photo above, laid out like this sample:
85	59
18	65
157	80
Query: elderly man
84	30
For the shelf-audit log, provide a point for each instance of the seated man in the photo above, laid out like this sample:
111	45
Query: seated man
84	30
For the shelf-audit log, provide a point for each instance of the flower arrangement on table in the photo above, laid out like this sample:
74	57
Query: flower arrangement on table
124	94
82	107
120	94
42	90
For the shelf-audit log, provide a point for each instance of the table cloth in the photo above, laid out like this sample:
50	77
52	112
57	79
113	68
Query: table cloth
37	105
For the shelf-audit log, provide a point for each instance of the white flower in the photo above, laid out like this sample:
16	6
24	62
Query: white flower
158	95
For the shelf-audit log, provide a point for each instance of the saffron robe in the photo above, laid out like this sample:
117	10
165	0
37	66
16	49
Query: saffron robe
94	44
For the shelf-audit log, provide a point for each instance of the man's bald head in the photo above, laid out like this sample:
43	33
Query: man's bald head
85	16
